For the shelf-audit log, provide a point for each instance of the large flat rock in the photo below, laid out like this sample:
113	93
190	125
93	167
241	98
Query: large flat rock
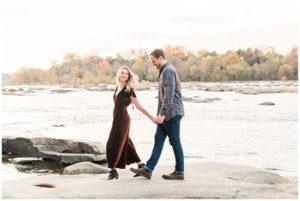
62	150
203	180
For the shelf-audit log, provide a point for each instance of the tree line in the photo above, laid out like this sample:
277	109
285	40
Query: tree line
249	64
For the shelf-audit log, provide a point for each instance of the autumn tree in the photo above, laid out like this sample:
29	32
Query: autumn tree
242	64
291	58
139	69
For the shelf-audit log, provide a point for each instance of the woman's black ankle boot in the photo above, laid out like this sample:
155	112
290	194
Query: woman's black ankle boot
113	174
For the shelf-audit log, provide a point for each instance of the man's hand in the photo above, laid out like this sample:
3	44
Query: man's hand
160	119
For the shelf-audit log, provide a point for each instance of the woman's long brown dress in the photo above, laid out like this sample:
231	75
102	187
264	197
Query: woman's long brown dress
119	148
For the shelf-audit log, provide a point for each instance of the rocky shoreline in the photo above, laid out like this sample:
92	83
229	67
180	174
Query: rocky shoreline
61	150
50	155
245	87
83	178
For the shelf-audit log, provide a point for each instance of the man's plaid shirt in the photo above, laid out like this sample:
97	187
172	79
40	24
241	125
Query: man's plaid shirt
169	93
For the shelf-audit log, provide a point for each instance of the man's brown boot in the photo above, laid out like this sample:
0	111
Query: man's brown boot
142	171
174	176
139	166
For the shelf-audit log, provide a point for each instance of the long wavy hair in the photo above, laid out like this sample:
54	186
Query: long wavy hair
132	80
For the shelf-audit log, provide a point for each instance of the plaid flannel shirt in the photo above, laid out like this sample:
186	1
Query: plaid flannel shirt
169	93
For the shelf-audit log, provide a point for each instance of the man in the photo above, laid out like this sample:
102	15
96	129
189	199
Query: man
169	113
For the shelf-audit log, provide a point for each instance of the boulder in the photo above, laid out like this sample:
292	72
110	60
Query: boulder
64	151
258	177
85	168
71	158
26	160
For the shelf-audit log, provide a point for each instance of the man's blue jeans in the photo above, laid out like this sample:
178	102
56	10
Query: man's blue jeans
171	129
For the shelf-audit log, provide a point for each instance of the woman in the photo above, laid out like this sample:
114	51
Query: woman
119	147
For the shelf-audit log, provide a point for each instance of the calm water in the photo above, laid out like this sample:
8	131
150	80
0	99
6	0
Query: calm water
234	129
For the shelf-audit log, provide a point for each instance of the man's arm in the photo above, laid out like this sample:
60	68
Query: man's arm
169	78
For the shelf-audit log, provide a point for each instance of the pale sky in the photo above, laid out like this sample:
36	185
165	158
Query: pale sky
35	32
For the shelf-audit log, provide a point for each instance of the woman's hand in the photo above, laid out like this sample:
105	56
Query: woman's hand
160	119
153	120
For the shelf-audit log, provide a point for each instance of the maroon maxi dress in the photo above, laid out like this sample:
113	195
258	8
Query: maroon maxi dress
120	149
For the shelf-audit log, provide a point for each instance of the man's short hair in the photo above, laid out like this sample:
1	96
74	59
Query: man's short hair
158	53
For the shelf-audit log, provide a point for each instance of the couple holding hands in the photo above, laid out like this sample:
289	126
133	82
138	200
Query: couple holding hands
120	150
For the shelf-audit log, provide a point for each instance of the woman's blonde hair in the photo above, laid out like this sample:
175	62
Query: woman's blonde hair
132	79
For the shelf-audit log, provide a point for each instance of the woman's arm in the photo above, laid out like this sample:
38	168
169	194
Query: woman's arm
140	108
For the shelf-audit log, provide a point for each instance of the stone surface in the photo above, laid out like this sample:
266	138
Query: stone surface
208	180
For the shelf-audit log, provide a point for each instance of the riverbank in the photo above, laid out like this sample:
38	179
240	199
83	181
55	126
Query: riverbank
202	180
219	125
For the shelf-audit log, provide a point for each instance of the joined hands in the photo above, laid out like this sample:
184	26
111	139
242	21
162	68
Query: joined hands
158	120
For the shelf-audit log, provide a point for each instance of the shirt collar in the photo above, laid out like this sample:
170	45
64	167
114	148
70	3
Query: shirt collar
162	68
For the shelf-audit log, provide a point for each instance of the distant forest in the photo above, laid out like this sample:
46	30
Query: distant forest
240	65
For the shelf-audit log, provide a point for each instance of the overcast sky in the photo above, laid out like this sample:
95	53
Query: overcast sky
35	32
